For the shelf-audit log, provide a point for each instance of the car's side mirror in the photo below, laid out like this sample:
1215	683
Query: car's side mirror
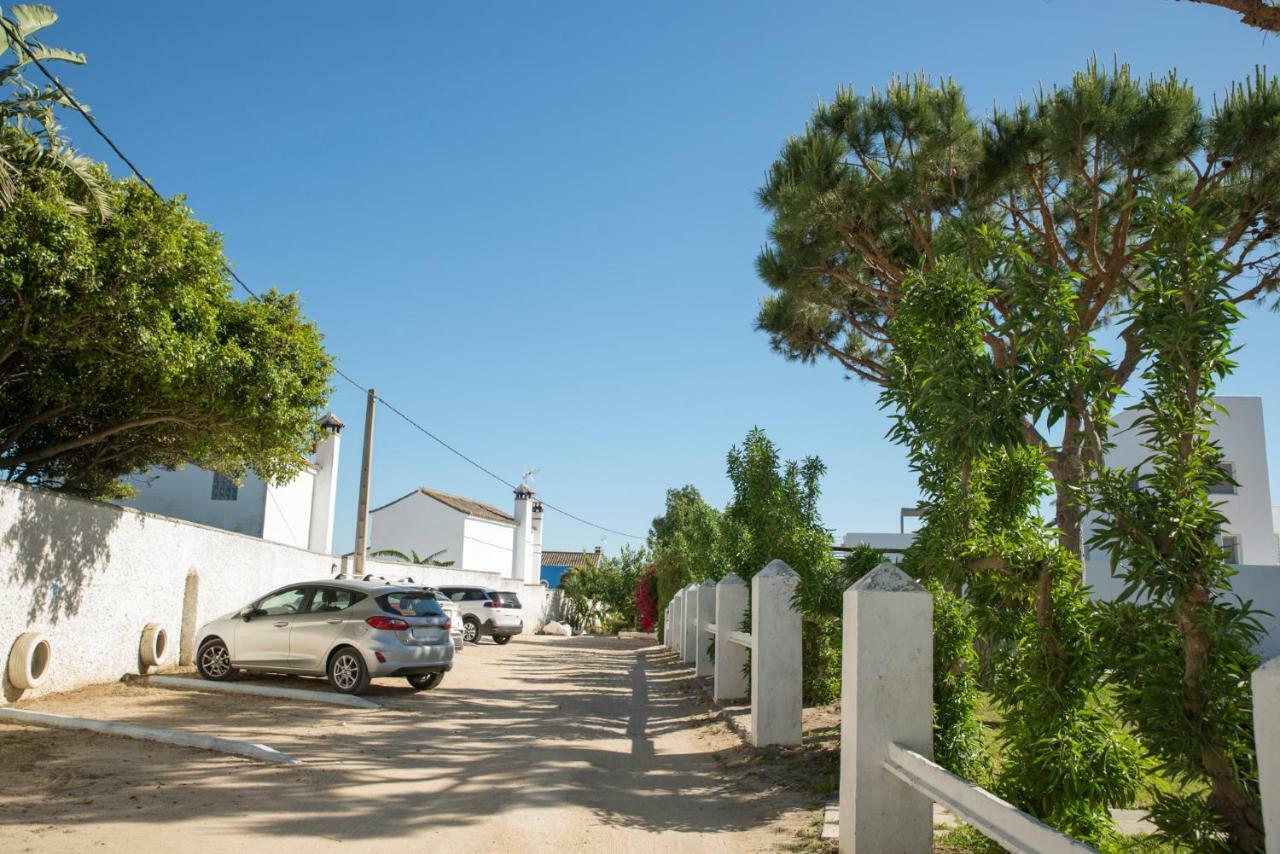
250	613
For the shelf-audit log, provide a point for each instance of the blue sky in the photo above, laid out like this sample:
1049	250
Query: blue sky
532	225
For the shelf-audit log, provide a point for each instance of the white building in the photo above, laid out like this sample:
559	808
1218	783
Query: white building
298	513
473	534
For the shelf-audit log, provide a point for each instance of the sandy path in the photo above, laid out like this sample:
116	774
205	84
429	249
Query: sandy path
547	744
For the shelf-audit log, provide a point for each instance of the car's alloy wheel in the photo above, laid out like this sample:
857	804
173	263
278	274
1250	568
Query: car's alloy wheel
214	661
471	631
348	673
425	681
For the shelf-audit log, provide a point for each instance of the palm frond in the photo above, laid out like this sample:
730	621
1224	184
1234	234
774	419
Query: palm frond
32	17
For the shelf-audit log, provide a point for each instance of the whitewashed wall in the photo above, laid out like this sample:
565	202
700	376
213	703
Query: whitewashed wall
487	545
286	514
185	493
419	523
91	575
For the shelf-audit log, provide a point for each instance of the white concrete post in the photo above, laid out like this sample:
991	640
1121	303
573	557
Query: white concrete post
690	642
775	657
706	616
732	598
666	626
677	622
886	698
1266	738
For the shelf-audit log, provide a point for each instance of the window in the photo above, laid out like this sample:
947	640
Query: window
333	599
1228	486
411	603
284	603
504	599
224	488
1231	544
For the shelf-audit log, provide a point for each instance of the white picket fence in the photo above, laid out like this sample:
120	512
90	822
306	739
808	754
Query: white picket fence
716	610
888	781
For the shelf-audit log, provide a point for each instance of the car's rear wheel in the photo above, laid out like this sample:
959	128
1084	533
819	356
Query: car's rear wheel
501	639
425	681
471	630
348	672
214	661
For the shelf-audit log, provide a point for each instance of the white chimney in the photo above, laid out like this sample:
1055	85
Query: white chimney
535	549
324	488
523	535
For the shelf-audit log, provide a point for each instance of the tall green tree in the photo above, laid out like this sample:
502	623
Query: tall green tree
121	347
863	196
1182	645
687	542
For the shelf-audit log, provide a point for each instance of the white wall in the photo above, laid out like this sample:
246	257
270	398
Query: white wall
287	511
487	546
91	575
418	523
186	493
1242	437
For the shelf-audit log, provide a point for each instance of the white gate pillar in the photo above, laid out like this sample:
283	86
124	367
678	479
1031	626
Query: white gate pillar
690	642
706	616
886	698
732	598
776	664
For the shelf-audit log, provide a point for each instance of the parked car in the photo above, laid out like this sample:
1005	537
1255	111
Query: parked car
495	613
455	619
349	631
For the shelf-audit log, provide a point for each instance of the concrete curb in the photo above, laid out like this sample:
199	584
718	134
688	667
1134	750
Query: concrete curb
645	636
167	736
184	684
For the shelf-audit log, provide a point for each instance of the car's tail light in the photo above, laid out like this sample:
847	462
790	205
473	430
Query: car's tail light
390	624
448	623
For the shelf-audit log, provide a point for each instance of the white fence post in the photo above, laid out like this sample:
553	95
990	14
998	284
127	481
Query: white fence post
666	626
706	616
775	657
1266	738
732	598
886	699
677	621
690	642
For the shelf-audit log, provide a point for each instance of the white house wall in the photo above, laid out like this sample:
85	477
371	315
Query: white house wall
421	524
186	493
287	511
486	545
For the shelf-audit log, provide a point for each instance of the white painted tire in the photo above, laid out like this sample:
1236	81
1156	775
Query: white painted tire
154	644
29	661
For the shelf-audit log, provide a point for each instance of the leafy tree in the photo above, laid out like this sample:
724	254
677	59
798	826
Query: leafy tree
413	557
687	543
29	132
864	196
601	593
121	348
646	600
1183	647
958	412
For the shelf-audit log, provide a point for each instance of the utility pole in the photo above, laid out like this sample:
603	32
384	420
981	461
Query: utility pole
366	464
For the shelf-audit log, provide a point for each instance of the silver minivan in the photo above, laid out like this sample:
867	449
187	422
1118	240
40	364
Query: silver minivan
349	631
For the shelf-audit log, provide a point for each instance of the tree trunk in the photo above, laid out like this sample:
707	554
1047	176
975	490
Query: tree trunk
1068	471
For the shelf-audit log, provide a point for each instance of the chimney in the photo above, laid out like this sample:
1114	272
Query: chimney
324	488
535	550
523	535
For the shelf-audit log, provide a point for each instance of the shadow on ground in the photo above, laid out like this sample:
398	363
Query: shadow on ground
597	724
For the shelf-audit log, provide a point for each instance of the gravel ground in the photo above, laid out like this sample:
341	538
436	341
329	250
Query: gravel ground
547	744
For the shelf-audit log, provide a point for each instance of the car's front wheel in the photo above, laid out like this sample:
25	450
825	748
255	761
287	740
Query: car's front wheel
501	639
471	630
348	672
425	681
214	661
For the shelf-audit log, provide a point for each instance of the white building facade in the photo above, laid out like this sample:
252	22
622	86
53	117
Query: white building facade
475	535
298	513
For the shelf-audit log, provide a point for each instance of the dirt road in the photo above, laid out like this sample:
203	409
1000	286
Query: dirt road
567	744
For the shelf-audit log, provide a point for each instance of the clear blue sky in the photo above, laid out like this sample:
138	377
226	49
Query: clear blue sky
532	225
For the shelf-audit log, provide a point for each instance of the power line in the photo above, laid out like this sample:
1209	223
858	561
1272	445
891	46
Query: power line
16	37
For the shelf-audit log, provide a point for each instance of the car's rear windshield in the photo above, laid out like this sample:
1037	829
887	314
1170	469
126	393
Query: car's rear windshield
507	600
410	603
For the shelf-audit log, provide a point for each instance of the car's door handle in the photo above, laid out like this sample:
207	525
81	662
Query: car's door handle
334	622
281	624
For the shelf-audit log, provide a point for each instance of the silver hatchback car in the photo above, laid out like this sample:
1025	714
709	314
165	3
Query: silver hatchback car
349	631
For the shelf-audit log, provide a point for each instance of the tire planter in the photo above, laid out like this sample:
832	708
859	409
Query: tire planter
153	645
29	661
